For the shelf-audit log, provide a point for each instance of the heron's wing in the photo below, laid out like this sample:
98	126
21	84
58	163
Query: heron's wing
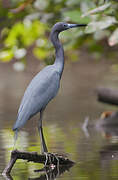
40	91
43	87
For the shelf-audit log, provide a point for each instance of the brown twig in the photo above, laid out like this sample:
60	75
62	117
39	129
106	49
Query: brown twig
21	7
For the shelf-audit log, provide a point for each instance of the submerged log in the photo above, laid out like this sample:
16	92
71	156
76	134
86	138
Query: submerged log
108	95
47	159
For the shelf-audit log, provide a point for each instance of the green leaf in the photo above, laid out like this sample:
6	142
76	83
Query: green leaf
113	40
99	25
75	16
24	34
6	55
14	33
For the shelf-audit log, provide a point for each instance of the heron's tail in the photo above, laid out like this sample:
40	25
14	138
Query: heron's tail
15	137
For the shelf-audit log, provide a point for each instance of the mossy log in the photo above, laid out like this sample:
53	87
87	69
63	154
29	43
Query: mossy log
47	159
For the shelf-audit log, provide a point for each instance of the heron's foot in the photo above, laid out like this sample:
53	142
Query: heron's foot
52	159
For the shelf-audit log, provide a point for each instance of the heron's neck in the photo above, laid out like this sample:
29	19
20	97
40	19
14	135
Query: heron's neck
59	60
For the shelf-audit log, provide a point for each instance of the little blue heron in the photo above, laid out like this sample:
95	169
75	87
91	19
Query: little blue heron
44	86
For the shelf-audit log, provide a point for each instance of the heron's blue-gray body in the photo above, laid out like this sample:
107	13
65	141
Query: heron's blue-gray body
44	86
40	91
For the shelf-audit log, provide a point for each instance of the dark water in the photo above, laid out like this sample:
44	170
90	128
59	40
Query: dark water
95	152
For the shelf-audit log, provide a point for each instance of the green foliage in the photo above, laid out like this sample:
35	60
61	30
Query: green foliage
75	16
6	55
24	34
27	23
97	25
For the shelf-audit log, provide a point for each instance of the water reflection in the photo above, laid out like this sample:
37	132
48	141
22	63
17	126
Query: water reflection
47	173
7	177
51	174
107	125
109	161
109	152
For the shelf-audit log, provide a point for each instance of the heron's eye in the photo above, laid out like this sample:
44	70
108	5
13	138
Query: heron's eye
65	25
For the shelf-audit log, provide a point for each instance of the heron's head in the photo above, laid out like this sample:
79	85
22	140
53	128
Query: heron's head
62	26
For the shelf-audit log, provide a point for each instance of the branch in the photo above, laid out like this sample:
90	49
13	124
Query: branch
37	158
108	95
22	6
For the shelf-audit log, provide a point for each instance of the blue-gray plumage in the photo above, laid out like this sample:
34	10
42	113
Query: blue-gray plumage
44	86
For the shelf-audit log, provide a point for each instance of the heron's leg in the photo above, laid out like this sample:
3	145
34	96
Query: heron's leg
43	144
15	137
